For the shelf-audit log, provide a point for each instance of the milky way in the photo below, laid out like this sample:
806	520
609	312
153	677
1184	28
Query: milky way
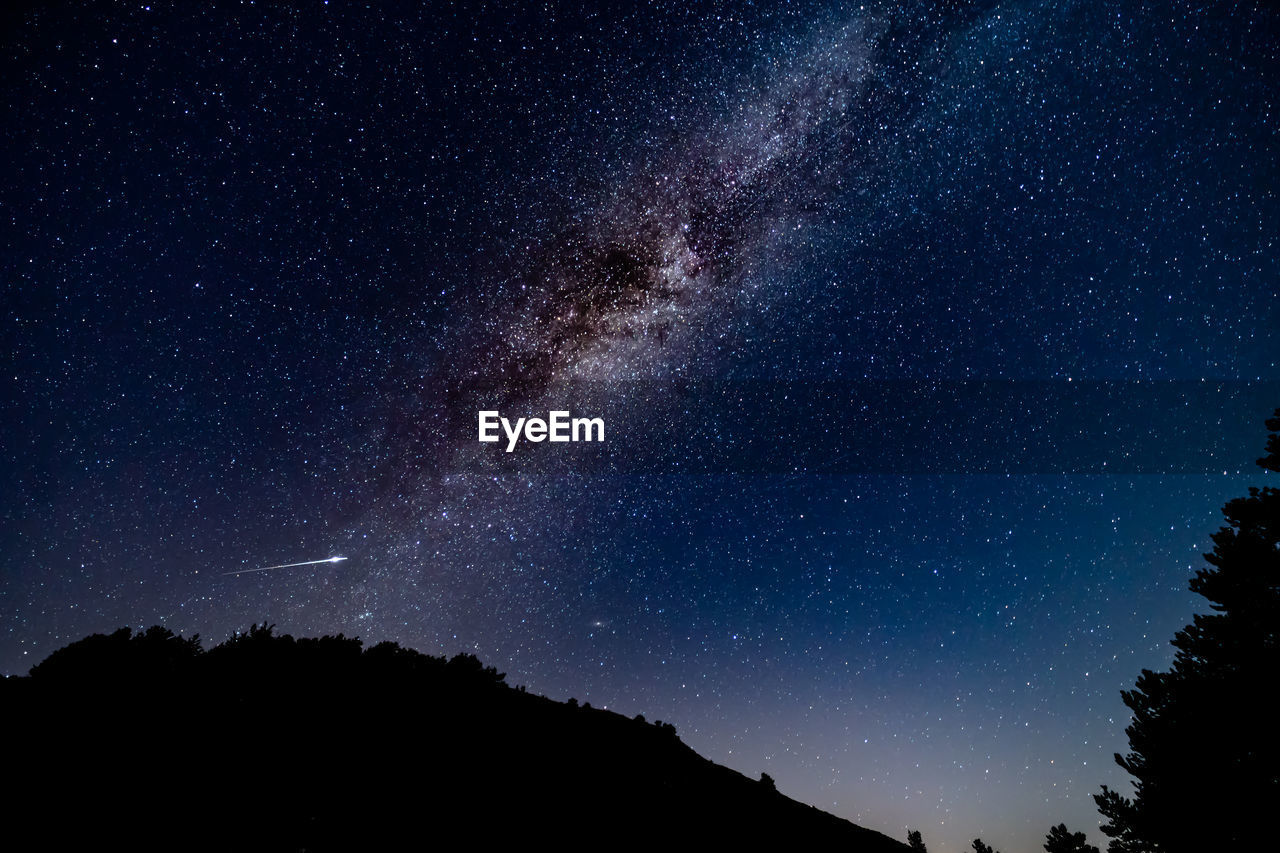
644	268
265	262
632	291
644	285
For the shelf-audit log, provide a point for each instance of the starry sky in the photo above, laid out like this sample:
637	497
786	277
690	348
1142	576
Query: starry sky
930	339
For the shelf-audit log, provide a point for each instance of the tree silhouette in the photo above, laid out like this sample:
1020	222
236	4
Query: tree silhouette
915	842
979	847
1062	840
122	657
1204	744
277	742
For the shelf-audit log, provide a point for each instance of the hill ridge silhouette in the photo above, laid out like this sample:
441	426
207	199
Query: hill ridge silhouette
267	741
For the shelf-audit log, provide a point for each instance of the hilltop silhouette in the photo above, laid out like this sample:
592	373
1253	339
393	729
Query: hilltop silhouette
265	741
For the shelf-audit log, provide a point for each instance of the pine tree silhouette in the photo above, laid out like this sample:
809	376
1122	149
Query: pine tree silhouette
1204	744
1062	840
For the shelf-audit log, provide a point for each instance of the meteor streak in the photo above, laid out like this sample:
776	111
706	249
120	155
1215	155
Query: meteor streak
287	565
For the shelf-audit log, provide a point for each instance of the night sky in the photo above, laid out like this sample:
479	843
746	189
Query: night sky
866	292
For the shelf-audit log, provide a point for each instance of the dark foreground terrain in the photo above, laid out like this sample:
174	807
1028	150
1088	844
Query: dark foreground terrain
146	741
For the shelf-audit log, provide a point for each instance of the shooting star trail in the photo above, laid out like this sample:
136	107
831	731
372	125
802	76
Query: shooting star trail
287	566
